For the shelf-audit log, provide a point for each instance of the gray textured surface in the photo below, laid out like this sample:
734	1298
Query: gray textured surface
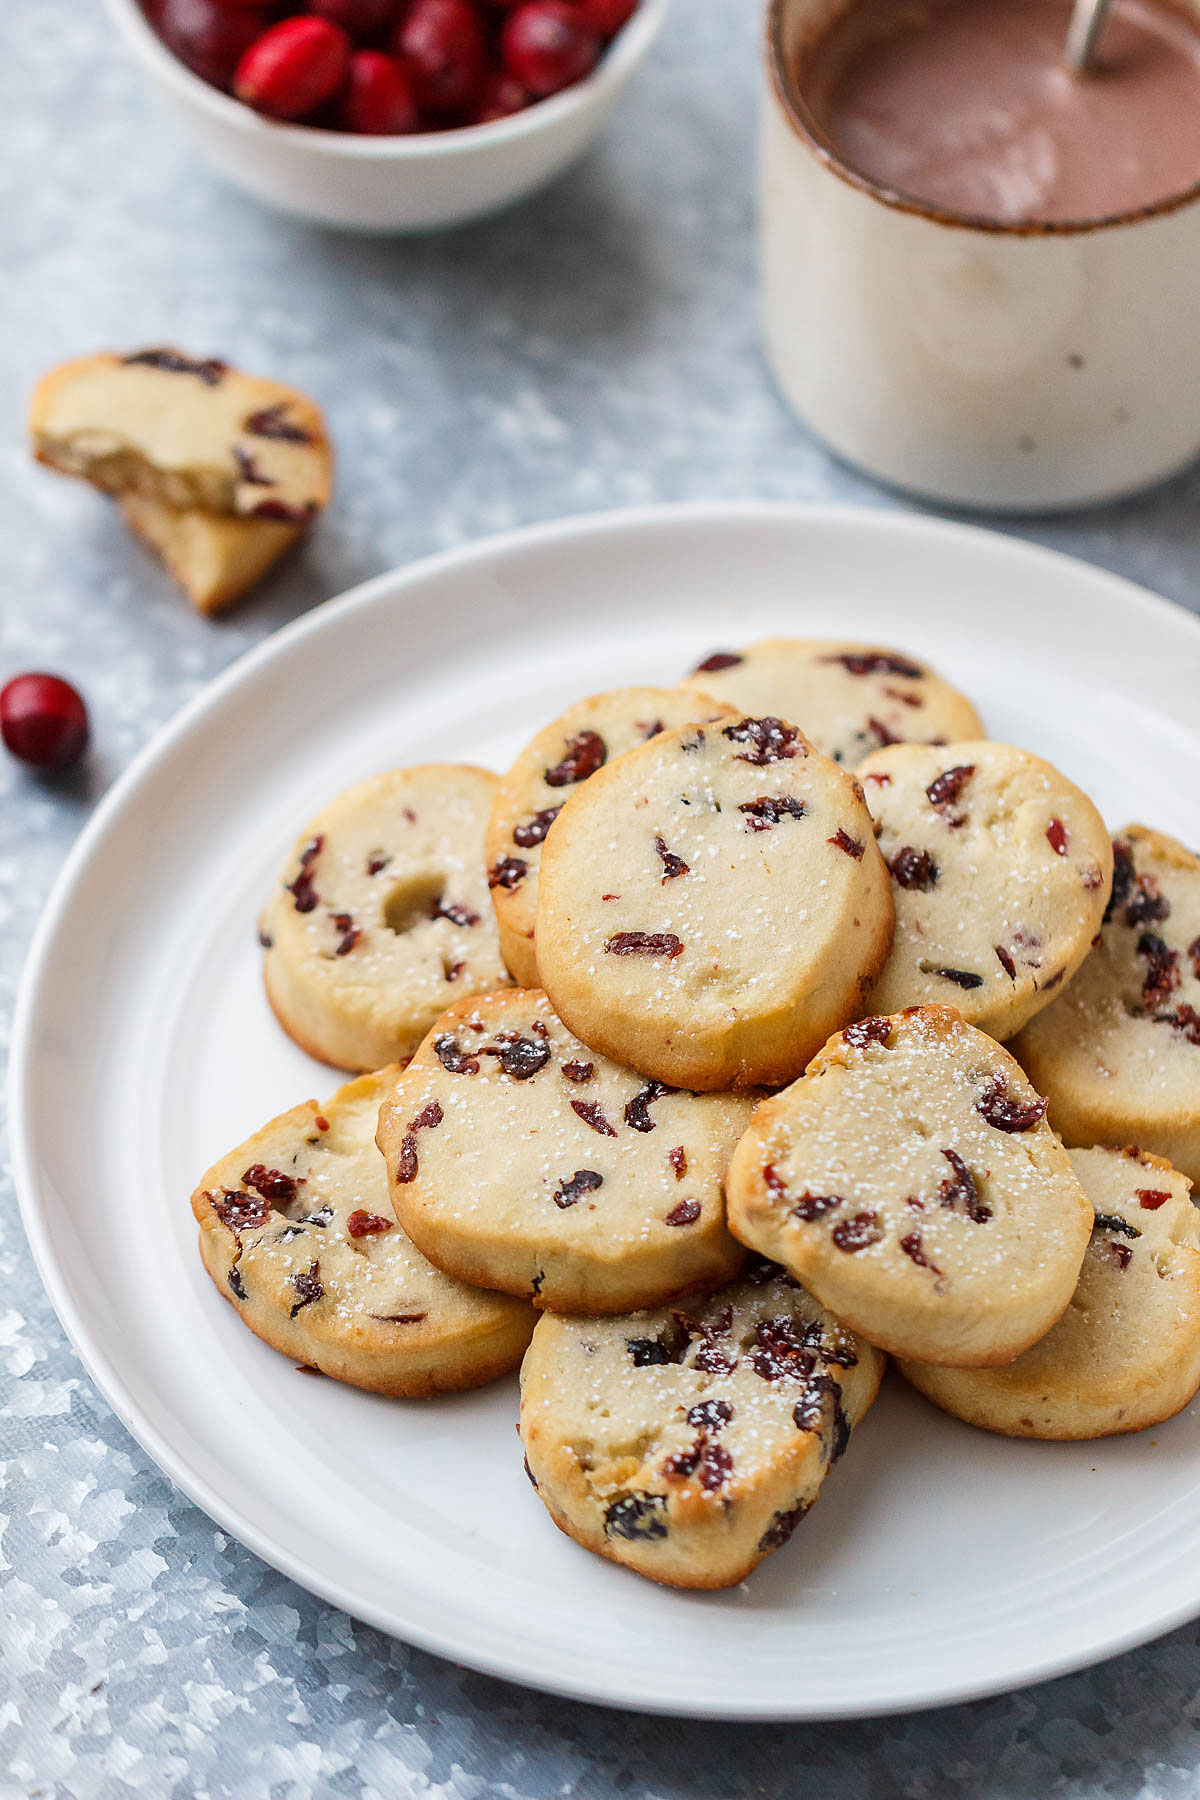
597	348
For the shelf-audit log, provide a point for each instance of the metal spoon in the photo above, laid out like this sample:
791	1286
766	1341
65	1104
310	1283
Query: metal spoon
1083	33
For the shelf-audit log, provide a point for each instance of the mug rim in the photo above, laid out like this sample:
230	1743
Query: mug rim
809	133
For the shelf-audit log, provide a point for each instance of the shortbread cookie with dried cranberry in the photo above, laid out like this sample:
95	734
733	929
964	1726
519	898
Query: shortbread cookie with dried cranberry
298	1233
545	775
523	1161
1118	1054
910	1180
689	1443
1001	870
381	916
218	471
1126	1353
713	904
849	699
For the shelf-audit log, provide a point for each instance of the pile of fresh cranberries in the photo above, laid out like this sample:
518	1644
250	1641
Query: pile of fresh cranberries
389	66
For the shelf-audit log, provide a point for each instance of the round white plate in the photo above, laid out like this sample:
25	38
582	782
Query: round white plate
941	1563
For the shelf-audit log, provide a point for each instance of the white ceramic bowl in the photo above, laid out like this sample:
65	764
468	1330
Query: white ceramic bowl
415	183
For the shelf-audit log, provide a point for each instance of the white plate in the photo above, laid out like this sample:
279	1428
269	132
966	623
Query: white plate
941	1563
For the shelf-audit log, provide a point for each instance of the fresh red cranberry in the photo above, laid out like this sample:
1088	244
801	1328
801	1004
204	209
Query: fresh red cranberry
366	21
606	17
502	96
293	68
547	45
443	47
43	721
208	37
379	98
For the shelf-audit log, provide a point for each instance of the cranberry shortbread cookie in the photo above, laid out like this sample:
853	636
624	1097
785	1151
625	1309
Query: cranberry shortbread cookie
298	1233
849	699
548	770
1126	1353
1001	870
520	1160
218	471
713	904
381	916
910	1180
1118	1054
689	1444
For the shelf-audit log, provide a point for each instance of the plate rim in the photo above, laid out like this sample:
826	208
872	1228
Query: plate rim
399	583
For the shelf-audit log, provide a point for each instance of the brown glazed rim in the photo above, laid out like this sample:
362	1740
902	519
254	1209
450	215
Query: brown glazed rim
806	129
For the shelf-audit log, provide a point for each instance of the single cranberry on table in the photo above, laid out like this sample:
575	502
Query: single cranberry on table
294	67
210	38
43	720
547	45
368	22
444	49
379	99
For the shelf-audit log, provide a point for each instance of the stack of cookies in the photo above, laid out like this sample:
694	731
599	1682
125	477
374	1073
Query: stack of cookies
682	1085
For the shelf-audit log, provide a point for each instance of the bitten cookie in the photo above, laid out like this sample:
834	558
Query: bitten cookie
1118	1054
1001	870
531	796
910	1181
298	1233
1126	1353
520	1160
689	1444
218	471
713	904
849	699
381	916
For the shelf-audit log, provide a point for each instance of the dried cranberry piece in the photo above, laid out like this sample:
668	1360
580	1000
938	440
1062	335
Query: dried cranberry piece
962	978
349	933
234	1278
377	862
945	789
303	893
409	1318
841	840
637	1110
272	1184
960	1189
812	1206
582	756
593	1114
508	873
912	1245
711	1357
682	1463
534	830
709	1415
782	1353
720	659
644	943
822	1394
454	971
453	1058
519	1057
912	868
270	422
307	1283
241	1212
209	370
1114	1222
686	1212
1000	1109
1162	974
767	811
248	470
1185	1019
769	740
1121	1254
407	1163
858	1233
583	1181
578	1071
678	1161
1148	904
875	1030
650	728
647	1351
1006	962
636	1516
672	865
362	1224
876	662
882	735
1152	1198
1193	954
782	1526
716	1466
1123	877
455	912
1056	837
266	941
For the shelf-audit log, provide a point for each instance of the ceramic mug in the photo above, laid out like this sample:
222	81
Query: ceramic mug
970	361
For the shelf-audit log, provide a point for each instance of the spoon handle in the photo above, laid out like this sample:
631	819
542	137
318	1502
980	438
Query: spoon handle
1083	33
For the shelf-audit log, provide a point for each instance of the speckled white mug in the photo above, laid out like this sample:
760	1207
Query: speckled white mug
972	362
